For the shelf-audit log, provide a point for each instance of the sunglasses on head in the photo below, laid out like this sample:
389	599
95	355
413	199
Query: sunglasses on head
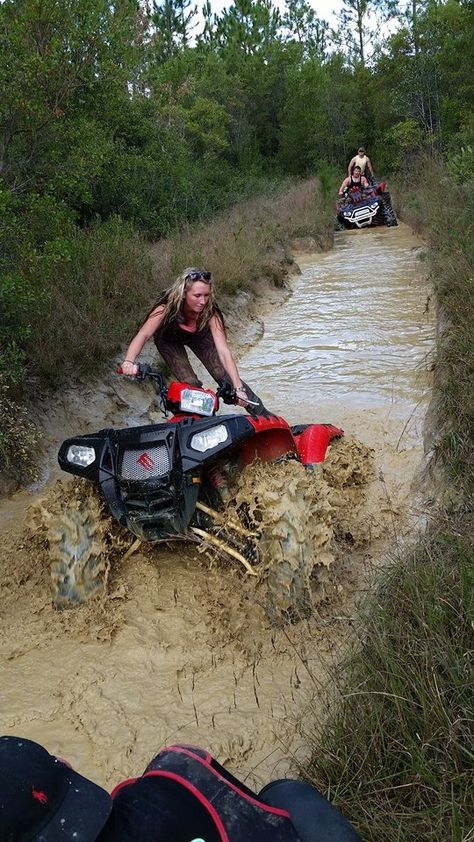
198	276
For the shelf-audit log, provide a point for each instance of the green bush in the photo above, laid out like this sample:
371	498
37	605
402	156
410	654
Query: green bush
35	235
329	178
461	165
402	143
67	293
16	303
99	292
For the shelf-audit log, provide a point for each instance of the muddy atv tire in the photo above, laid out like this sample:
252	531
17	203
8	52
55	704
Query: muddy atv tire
287	544
289	508
388	214
78	552
71	522
288	596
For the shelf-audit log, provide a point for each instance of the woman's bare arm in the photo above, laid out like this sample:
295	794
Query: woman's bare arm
145	333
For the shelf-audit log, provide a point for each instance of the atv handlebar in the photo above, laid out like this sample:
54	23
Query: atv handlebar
226	391
144	370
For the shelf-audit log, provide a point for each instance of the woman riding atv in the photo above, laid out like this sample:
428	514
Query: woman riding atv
186	314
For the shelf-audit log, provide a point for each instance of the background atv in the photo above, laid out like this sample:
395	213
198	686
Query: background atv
239	484
361	208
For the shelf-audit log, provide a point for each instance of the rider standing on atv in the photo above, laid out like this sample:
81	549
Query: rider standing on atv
354	183
364	163
187	315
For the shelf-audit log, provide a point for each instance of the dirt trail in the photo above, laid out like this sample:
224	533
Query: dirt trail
181	649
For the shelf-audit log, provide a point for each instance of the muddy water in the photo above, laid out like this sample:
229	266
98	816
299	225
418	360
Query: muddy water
353	346
180	650
355	335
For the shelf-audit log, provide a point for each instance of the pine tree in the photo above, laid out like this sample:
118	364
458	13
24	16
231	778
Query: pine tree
360	22
173	22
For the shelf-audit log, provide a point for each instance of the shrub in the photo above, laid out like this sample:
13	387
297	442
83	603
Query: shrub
98	294
34	241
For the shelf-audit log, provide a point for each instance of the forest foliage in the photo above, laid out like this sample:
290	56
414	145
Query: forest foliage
123	120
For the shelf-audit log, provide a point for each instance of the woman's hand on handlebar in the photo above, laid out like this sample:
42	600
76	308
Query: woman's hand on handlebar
241	397
129	368
235	396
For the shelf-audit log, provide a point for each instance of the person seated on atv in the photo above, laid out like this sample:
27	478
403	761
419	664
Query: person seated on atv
184	795
186	314
353	185
362	161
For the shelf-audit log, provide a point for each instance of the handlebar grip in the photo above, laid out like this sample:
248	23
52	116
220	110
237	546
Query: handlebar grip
119	370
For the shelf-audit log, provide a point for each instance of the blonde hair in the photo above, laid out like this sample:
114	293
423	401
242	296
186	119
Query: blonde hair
172	299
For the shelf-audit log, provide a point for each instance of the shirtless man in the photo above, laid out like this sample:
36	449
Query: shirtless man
363	161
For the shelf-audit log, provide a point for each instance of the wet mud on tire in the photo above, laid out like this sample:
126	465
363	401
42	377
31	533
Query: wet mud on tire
71	523
79	569
288	506
388	213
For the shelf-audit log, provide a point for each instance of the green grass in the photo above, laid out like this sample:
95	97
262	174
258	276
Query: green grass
398	755
445	218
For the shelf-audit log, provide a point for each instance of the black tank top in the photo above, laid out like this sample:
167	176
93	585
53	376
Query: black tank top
172	332
355	185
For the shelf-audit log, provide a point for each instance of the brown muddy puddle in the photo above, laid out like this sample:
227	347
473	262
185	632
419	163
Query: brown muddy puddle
181	650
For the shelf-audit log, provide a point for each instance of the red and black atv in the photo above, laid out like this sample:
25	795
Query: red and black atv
179	479
359	208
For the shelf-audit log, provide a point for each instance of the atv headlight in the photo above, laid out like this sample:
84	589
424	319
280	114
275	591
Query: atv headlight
193	400
208	439
81	455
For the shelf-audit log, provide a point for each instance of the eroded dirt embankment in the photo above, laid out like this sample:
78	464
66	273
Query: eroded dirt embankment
181	648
